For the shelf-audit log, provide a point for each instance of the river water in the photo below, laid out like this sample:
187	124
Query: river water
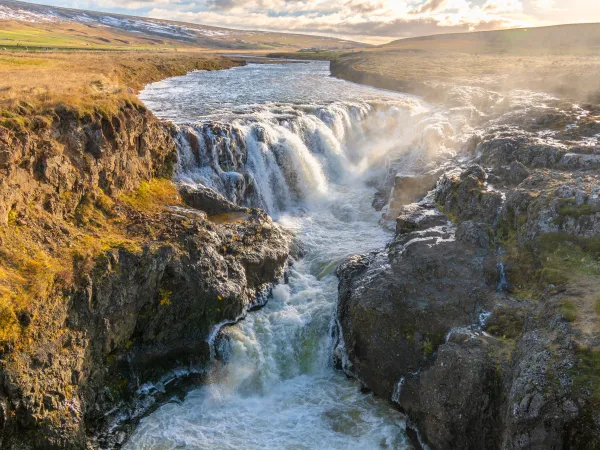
306	147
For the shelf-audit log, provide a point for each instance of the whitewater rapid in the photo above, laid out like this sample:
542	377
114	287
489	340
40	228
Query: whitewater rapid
308	149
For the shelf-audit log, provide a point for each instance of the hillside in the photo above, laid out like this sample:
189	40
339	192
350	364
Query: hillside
562	60
555	40
38	26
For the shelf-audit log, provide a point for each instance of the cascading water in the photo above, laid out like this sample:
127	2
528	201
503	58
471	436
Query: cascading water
308	163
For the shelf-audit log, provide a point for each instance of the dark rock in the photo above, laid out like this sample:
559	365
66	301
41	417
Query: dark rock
424	275
453	400
419	216
207	200
408	189
514	174
464	194
24	318
475	234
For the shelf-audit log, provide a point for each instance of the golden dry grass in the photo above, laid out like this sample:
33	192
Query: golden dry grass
152	196
39	82
563	61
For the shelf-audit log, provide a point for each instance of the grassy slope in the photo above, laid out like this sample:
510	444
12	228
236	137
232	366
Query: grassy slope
74	33
307	56
561	60
71	35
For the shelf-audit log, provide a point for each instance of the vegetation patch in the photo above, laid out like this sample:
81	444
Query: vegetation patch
553	258
85	81
569	310
587	374
152	196
506	323
309	56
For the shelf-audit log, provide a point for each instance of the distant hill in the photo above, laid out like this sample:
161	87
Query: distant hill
32	25
559	39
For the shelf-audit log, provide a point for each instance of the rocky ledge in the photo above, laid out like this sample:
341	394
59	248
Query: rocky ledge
481	319
113	281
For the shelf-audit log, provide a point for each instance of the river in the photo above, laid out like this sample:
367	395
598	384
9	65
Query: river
307	148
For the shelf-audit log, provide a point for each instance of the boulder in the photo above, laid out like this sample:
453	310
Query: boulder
207	200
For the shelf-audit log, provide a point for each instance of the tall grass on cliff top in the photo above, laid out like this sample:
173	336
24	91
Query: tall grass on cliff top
35	83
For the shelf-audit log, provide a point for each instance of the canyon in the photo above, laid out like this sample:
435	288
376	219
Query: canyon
216	264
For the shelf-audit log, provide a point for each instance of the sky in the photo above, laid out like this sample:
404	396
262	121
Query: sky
373	21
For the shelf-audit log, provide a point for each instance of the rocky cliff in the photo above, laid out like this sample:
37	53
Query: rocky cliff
481	319
110	284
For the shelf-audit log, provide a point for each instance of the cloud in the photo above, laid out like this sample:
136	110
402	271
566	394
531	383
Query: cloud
366	20
430	6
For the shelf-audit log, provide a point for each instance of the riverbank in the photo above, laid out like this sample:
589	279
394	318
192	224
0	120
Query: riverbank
35	85
480	319
109	274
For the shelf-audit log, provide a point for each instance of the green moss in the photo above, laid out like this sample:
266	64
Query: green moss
427	348
553	276
152	196
587	374
597	306
568	254
570	208
569	310
16	124
164	297
506	323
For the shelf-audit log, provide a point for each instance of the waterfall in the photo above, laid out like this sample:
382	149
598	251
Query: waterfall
311	163
284	158
502	282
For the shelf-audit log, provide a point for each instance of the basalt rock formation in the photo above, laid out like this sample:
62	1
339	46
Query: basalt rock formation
480	319
110	282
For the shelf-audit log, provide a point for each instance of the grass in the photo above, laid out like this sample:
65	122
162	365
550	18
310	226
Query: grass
569	310
310	56
571	209
553	258
72	35
152	196
506	323
560	61
587	377
91	35
32	86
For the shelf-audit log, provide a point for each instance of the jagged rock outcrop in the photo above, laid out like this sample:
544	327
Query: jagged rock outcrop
429	324
147	277
397	306
210	201
76	155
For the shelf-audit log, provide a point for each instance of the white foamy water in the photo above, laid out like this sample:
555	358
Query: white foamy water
303	146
